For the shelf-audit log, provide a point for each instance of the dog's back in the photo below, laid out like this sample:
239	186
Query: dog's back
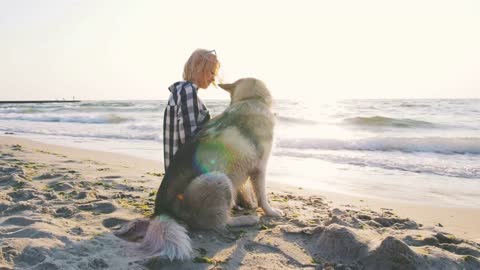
206	173
230	146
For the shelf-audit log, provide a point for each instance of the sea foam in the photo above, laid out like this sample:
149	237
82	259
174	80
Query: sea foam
425	144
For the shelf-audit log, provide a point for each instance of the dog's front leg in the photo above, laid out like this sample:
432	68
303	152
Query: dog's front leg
258	181
246	196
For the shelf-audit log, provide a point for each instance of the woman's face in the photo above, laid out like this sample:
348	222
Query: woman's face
208	79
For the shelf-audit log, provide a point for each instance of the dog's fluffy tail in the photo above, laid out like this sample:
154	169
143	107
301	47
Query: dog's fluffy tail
166	237
161	236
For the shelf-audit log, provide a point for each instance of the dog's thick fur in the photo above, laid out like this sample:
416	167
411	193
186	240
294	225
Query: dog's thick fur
209	172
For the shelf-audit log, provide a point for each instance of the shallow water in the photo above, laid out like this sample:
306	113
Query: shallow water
425	150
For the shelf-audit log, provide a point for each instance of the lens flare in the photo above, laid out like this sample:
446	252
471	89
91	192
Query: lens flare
212	156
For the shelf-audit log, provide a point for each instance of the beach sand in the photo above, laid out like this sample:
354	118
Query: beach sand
59	205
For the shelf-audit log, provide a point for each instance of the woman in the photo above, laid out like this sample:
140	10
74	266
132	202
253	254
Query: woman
185	112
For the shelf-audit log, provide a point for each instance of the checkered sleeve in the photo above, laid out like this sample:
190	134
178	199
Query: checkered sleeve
187	112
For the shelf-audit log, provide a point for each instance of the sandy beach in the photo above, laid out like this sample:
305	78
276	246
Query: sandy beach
59	206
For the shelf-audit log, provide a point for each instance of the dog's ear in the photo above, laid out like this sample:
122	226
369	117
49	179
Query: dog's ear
227	86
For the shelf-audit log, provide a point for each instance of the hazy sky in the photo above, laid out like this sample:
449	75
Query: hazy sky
115	49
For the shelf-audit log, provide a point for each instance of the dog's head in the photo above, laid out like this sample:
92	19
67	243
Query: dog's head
247	89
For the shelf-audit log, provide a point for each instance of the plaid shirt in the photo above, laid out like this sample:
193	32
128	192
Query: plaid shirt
184	114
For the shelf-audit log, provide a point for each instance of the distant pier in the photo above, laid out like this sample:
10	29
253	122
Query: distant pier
39	101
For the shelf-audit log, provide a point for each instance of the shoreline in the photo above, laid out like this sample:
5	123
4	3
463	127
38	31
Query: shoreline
59	206
37	101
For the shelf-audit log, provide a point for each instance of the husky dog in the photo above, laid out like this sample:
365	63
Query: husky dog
209	172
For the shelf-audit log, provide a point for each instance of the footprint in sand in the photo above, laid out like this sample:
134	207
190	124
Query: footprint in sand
113	222
76	231
24	194
10	170
27	233
19	207
65	212
13	180
98	207
46	176
20	221
61	186
86	195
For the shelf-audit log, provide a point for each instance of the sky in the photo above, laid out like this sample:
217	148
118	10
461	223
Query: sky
123	49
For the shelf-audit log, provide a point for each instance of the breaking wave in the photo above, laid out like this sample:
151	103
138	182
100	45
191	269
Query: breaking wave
79	118
426	144
380	121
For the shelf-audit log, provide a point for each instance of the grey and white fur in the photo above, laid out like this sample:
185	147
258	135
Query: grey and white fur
212	171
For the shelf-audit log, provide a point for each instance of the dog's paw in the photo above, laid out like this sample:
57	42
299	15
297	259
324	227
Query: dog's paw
274	212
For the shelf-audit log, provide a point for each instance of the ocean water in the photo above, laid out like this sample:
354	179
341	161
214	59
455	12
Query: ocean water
422	150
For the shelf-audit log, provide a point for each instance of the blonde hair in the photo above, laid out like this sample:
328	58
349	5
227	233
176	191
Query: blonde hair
198	66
